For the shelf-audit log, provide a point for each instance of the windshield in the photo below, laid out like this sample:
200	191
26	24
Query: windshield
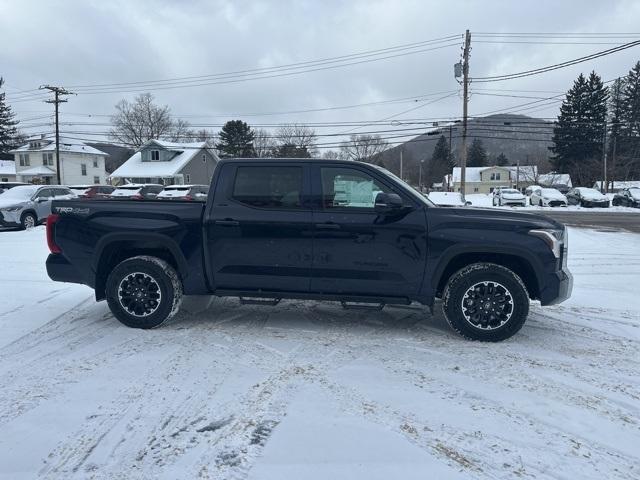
589	191
20	193
509	190
549	191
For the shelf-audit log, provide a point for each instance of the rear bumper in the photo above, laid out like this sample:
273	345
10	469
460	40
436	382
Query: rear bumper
558	287
60	269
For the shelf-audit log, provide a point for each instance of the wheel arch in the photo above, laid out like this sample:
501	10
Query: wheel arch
113	249
521	263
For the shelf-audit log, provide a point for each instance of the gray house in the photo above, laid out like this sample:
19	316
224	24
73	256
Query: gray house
168	163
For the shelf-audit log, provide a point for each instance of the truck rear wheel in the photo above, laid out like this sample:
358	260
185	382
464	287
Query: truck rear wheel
485	302
143	292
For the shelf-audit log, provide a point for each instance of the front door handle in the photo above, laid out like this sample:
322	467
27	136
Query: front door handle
227	223
327	226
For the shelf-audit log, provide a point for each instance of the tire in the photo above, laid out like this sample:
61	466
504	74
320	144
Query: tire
28	220
540	204
509	312
143	292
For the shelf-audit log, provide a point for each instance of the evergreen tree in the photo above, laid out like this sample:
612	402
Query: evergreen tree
502	160
441	162
477	156
579	131
629	145
236	140
8	125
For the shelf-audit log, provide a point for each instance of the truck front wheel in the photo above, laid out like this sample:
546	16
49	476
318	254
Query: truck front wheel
486	302
143	292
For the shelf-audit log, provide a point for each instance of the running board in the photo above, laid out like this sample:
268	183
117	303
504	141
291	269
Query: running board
362	306
268	302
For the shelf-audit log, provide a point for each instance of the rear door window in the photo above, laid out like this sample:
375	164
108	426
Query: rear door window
268	186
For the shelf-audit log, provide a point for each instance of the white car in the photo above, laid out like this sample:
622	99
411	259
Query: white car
448	199
26	206
509	197
547	197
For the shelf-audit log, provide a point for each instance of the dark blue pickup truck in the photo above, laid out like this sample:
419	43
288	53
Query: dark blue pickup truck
311	229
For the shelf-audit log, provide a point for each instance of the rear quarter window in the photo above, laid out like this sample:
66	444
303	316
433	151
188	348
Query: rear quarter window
268	186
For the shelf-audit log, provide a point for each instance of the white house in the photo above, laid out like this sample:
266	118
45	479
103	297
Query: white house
7	171
486	179
168	163
549	179
35	162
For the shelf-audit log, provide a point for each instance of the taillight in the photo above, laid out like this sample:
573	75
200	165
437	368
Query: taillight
188	197
51	221
137	196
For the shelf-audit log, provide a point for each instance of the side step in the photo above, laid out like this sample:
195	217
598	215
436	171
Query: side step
268	302
362	305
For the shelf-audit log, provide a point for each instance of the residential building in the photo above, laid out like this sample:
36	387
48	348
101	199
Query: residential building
615	186
35	162
486	179
7	171
168	163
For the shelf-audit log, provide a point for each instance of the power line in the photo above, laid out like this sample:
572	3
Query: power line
575	61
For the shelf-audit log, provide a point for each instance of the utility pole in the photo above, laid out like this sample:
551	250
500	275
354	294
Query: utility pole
401	164
604	160
57	93
465	102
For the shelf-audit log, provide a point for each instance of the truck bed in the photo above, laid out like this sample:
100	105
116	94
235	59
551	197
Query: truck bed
86	228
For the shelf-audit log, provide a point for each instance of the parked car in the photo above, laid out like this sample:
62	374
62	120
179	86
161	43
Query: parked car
529	190
26	206
508	196
627	197
448	199
4	186
185	192
547	197
146	191
587	197
561	187
256	236
92	191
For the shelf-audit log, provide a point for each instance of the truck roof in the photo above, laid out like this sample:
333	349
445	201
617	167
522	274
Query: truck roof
297	160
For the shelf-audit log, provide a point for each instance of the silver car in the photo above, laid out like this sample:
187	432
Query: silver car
28	205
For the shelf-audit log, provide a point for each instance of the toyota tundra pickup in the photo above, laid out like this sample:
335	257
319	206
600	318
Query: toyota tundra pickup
343	231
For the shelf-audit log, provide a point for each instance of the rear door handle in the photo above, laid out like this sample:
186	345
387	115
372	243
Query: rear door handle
327	226
227	223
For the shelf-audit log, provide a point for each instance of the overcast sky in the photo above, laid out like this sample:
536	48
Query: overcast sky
73	43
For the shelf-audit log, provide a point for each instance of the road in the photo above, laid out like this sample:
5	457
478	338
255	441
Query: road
599	220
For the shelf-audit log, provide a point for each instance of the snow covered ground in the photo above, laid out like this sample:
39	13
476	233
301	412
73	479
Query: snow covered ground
308	390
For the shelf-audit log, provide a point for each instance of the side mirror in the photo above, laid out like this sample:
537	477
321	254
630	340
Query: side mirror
42	199
467	203
387	202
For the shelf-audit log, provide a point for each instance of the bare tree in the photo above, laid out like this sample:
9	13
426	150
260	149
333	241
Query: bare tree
136	123
204	135
181	132
263	143
363	147
332	155
299	137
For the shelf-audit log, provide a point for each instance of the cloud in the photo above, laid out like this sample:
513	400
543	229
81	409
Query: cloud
80	42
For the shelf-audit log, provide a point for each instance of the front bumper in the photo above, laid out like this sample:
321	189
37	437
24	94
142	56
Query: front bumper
594	204
554	203
557	288
9	219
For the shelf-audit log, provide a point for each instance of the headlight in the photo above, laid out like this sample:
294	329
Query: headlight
11	209
553	238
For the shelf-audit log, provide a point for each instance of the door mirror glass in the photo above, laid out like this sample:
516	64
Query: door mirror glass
388	202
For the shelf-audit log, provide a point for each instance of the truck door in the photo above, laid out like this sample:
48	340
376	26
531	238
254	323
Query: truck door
258	228
356	250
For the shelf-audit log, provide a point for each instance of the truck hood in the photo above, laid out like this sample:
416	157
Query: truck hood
492	216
